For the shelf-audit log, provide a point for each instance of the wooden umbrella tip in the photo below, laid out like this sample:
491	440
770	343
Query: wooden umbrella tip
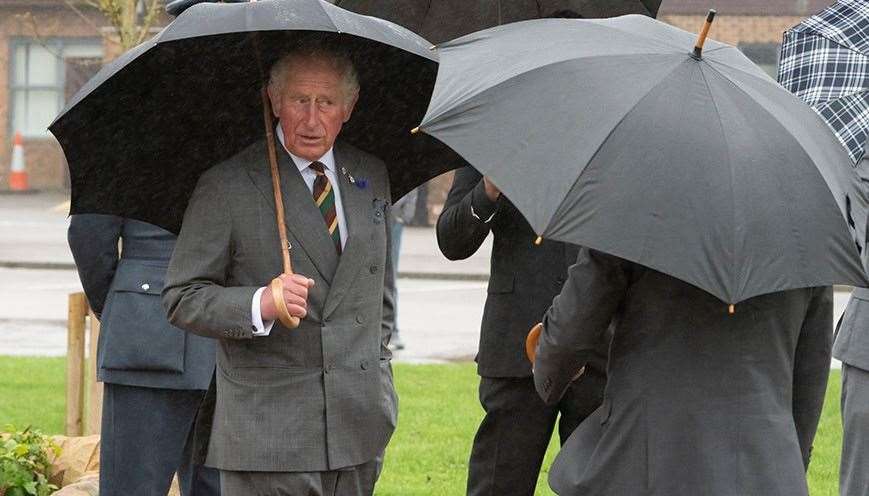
538	241
731	309
414	130
433	47
701	38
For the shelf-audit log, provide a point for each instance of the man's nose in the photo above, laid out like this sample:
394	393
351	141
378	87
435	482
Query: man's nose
312	114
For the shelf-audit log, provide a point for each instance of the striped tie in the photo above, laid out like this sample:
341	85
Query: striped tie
324	197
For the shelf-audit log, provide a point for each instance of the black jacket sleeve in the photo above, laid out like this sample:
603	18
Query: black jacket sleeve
459	233
93	240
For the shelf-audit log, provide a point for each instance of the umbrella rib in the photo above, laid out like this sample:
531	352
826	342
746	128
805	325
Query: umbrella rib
432	119
331	19
732	282
774	119
612	130
735	68
747	95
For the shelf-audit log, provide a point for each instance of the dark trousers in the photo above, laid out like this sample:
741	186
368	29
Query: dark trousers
146	438
854	467
512	439
353	481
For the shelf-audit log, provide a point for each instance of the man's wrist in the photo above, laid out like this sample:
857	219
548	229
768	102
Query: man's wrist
482	207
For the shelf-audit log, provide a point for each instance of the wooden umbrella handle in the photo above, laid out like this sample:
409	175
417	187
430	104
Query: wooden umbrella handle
277	286
531	342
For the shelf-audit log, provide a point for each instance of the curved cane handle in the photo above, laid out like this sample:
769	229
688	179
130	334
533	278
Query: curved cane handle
277	287
531	342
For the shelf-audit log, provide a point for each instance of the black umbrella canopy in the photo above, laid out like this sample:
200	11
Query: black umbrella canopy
139	134
611	134
442	20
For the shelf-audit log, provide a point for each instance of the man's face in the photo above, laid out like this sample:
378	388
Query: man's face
312	107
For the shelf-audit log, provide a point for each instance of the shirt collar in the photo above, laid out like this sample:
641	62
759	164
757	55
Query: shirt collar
328	160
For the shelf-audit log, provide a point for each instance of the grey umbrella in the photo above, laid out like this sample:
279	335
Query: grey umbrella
612	134
441	20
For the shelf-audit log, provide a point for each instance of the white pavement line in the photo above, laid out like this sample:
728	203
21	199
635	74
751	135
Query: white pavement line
50	287
31	223
464	287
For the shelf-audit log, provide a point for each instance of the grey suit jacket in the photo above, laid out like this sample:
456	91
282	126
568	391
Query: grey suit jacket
318	397
698	401
137	345
852	333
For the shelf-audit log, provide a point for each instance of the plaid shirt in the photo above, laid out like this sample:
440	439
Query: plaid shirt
824	62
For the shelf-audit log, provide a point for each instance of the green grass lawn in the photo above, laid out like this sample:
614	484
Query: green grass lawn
428	454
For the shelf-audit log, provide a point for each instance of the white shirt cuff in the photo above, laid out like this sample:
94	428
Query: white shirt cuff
256	318
484	221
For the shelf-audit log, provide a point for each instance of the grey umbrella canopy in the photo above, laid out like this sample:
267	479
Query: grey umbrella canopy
611	134
441	20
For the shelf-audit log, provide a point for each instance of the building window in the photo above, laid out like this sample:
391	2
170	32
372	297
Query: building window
45	73
765	55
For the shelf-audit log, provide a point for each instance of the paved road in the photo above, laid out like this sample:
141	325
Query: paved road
440	301
439	319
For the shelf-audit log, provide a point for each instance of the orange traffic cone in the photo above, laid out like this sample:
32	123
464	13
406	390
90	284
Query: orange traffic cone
17	174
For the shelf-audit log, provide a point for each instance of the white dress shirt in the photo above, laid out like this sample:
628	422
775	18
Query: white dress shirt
308	175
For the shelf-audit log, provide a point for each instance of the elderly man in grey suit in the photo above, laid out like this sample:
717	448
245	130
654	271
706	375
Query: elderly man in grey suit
154	375
698	401
852	348
304	411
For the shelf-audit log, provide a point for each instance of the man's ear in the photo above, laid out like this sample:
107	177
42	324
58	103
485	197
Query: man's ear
348	108
275	99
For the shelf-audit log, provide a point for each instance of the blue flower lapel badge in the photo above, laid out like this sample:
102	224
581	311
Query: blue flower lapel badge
361	183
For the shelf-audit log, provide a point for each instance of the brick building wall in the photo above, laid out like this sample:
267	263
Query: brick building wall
45	164
738	29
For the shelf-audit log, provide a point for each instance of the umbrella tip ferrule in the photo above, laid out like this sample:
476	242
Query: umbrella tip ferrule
415	130
433	47
731	309
538	241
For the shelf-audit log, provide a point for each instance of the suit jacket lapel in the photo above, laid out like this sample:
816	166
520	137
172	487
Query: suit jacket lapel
303	218
357	206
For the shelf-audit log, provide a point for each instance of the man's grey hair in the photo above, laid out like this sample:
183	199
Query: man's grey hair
337	60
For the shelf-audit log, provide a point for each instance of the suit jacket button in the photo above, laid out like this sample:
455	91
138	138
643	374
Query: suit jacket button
364	364
373	269
360	319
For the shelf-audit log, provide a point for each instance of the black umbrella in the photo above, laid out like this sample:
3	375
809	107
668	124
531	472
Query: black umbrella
612	134
139	134
442	20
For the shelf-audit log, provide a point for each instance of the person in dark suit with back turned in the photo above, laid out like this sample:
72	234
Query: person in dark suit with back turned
155	375
698	401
